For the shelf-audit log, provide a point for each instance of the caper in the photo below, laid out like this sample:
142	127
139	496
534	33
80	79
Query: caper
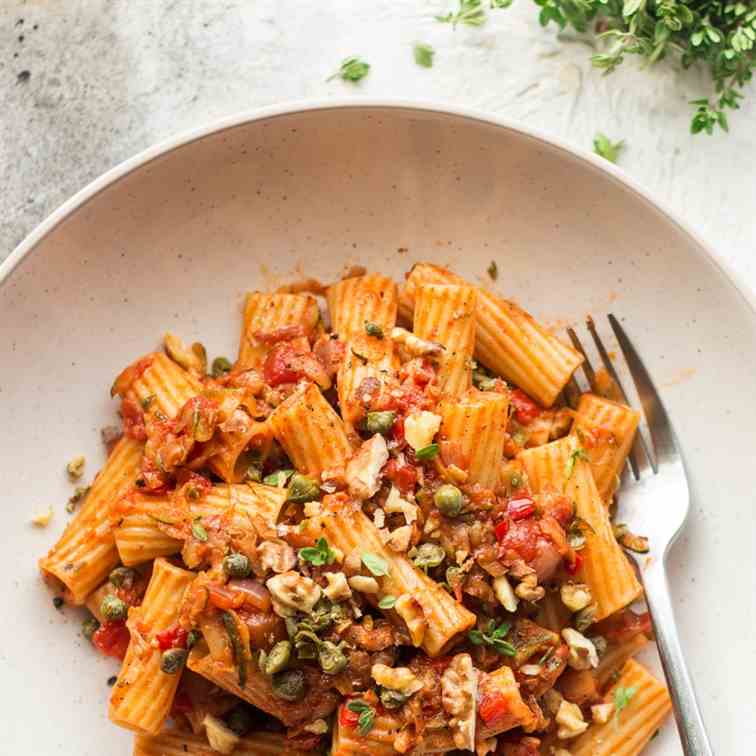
321	616
240	720
289	685
392	699
113	609
306	644
122	577
89	627
277	659
379	422
331	658
236	565
428	555
449	500
302	488
193	638
172	660
220	367
373	329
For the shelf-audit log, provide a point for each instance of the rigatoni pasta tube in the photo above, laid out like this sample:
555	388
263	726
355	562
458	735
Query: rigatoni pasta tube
365	357
163	386
476	424
355	301
347	741
269	312
86	551
139	537
310	431
499	699
446	314
143	694
628	731
179	743
318	702
606	430
560	467
507	339
446	618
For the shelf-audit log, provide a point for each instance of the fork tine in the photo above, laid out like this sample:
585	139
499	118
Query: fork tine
587	367
662	435
640	457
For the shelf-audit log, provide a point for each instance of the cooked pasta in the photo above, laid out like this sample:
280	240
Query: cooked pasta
139	536
645	704
606	430
373	538
143	693
445	314
180	743
561	467
507	339
264	314
475	424
86	551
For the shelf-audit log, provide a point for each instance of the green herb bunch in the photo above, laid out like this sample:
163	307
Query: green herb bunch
718	35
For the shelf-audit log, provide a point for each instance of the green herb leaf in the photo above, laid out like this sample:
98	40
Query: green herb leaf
278	478
607	149
493	270
198	530
366	721
423	55
387	602
718	38
569	466
351	69
427	452
319	554
470	12
358	706
377	565
622	697
494	637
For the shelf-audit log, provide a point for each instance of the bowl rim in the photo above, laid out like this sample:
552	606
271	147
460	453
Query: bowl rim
185	137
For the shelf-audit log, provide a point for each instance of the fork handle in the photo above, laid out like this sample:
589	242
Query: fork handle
690	724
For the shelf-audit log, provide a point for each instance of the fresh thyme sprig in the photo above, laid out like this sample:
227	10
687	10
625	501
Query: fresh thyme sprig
716	34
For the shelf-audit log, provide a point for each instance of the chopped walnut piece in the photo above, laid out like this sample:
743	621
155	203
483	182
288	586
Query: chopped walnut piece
459	686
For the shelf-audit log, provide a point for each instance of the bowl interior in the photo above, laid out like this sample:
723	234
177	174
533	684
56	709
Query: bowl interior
174	244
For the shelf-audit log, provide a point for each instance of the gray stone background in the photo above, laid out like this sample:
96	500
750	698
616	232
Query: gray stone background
85	84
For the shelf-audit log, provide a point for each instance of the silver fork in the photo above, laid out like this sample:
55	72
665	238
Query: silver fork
657	478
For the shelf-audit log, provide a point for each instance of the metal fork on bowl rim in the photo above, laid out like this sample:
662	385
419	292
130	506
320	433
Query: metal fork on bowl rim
654	477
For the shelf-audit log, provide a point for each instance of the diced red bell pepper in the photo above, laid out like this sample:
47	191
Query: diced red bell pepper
172	637
112	639
521	507
525	409
501	529
403	477
347	717
493	708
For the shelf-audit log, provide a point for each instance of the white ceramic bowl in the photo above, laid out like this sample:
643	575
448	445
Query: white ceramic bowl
173	238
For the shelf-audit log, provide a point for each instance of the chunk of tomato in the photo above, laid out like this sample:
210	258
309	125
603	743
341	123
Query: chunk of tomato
282	365
493	708
112	639
525	409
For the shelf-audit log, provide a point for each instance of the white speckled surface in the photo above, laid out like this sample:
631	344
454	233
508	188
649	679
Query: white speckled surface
107	79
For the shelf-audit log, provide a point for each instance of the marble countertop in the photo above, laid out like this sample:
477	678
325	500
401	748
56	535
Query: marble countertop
88	83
